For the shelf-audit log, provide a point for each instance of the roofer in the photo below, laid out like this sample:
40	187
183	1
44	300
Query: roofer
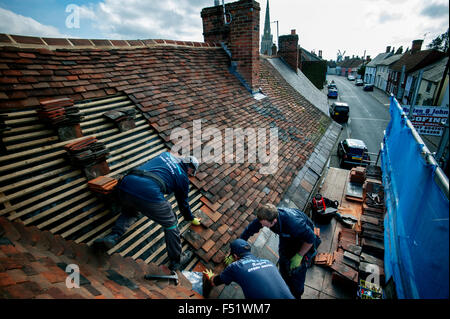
258	278
142	190
297	245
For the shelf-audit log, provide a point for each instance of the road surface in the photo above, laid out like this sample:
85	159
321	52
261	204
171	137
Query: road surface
369	115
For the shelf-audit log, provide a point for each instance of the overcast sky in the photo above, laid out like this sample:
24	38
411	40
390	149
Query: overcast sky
353	26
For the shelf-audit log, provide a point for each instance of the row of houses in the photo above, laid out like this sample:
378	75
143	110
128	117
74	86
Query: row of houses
400	75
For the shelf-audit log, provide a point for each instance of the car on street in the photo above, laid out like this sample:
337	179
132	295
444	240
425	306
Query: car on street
332	93
359	82
368	87
339	111
352	152
351	78
332	85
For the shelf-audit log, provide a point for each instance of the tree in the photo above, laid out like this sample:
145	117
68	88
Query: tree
362	70
440	43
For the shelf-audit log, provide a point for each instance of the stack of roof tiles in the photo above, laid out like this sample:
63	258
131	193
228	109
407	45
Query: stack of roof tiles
173	84
59	112
103	184
86	151
33	264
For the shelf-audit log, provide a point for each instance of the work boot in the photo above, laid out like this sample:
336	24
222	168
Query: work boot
184	259
107	242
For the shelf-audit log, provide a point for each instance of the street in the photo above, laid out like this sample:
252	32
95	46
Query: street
369	115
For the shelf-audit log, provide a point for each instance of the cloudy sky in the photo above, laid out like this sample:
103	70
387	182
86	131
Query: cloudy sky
356	27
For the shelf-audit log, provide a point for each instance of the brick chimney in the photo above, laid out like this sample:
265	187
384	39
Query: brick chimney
320	54
240	34
288	49
388	49
416	46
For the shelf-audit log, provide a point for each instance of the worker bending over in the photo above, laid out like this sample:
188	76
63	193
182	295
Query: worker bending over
297	245
142	190
258	278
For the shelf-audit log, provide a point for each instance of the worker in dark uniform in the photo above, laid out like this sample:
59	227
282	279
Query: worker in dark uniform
297	245
142	190
258	278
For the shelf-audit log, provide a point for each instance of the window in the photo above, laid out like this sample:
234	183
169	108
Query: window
429	87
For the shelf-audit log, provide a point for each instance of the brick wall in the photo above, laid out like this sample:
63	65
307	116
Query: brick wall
241	35
288	49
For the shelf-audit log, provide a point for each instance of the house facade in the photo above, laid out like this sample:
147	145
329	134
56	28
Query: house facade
371	67
428	91
413	60
382	71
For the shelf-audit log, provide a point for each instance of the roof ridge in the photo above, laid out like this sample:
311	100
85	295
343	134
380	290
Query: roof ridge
120	275
74	43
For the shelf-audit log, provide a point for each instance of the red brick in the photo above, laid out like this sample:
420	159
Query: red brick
17	275
6	280
55	275
208	245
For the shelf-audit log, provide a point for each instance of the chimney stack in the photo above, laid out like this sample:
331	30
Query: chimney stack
388	49
240	33
320	54
288	49
416	46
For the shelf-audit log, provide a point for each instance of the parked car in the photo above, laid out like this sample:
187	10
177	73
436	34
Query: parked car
351	78
368	87
332	93
339	111
352	152
332	85
359	82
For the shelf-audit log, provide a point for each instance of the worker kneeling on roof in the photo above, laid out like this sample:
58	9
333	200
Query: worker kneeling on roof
258	278
142	190
297	245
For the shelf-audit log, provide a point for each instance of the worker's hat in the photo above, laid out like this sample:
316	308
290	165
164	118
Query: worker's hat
240	247
193	162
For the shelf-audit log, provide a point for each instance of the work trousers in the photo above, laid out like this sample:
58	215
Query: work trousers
160	212
295	279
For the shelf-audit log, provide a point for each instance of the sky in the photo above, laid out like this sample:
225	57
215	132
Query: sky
356	27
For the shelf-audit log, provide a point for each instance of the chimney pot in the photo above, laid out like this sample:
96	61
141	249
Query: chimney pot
388	49
416	46
293	31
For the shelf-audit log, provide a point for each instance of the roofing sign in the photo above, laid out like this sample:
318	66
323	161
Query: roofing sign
428	120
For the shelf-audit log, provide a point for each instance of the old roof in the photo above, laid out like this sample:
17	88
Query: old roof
380	57
434	71
417	60
390	60
173	83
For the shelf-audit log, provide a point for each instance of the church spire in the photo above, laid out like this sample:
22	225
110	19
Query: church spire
267	39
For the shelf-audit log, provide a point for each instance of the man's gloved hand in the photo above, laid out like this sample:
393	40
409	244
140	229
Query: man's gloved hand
209	273
196	221
296	261
228	260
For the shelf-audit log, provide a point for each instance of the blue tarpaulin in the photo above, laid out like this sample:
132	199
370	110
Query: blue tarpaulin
417	211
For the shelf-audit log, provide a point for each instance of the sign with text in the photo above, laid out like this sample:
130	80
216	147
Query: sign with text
428	120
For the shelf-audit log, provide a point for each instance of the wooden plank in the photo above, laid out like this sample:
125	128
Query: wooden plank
67	213
127	146
55	208
132	138
99	118
38	159
27	135
36	187
96	229
135	160
21	129
32	143
32	169
42	196
88	221
102	101
135	150
77	217
39	149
